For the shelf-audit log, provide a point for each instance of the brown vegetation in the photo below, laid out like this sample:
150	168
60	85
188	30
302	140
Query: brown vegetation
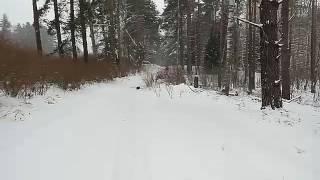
23	73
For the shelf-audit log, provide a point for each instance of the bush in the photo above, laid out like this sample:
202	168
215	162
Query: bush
24	73
171	75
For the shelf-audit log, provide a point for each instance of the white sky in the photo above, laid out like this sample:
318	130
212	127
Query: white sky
20	11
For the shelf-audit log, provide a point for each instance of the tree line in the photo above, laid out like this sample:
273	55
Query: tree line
116	28
273	44
274	39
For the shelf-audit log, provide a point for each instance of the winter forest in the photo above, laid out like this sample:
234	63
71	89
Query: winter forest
160	89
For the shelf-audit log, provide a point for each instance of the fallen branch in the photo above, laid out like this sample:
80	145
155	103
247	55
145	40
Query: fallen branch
294	99
249	22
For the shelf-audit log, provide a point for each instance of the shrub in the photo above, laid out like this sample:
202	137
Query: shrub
24	73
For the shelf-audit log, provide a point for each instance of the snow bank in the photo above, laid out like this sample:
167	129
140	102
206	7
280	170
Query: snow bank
113	131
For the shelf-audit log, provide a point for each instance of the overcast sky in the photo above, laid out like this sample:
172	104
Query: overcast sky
20	11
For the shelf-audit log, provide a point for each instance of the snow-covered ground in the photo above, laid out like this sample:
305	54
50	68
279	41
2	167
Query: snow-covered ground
114	132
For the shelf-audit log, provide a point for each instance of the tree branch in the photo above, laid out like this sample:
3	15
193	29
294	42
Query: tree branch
251	23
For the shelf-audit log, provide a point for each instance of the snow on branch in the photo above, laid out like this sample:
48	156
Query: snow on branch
278	43
281	1
249	22
277	81
290	19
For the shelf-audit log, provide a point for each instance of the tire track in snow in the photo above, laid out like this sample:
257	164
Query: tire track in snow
131	158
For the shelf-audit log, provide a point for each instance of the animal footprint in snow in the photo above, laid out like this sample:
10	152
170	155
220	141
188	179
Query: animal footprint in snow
19	115
299	150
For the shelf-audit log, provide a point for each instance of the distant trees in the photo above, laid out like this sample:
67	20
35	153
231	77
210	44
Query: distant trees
5	26
280	41
24	36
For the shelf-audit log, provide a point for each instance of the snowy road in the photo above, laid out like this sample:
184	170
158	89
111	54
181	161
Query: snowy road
115	132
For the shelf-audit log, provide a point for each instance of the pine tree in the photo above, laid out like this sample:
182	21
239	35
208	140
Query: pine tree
5	26
172	25
142	26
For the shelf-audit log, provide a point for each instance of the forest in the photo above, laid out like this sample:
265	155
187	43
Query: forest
226	45
160	90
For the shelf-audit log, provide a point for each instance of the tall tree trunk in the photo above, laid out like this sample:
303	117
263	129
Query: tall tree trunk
285	54
73	28
112	32
270	79
251	59
93	39
313	77
36	26
83	30
230	47
189	39
236	48
246	63
198	40
180	35
119	34
92	31
223	30
292	57
57	26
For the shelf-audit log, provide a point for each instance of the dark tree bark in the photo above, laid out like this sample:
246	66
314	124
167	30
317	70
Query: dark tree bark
251	59
198	40
235	69
93	39
72	28
83	30
223	33
313	77
92	31
36	26
119	35
189	45
57	26
285	52
271	90
180	35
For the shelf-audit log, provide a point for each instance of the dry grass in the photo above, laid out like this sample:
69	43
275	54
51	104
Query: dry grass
24	73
